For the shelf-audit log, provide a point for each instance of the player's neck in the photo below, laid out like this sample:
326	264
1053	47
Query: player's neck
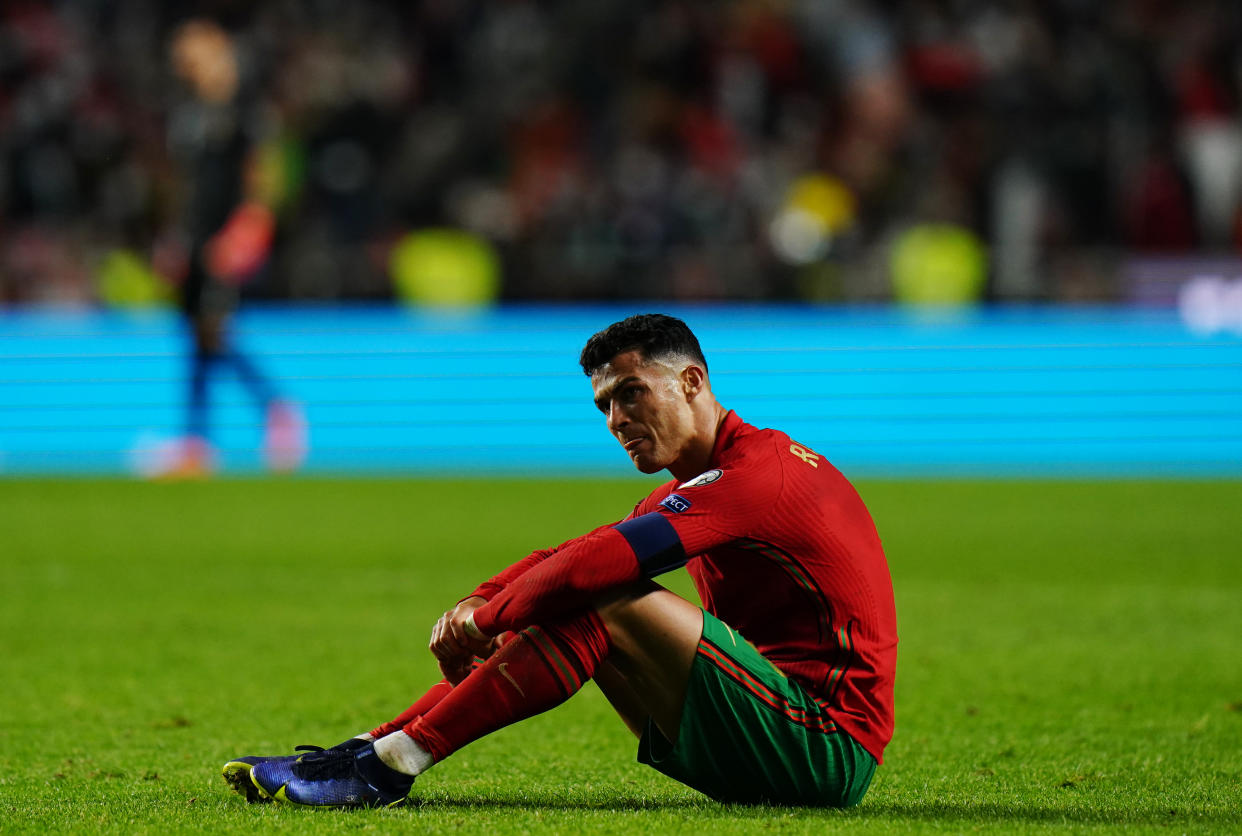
697	455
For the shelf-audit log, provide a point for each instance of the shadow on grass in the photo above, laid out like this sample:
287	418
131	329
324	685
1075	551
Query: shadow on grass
983	812
931	812
608	805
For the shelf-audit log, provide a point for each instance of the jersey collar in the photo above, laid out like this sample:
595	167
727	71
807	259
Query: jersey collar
730	428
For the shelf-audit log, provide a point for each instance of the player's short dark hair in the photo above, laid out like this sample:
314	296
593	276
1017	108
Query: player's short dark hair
652	335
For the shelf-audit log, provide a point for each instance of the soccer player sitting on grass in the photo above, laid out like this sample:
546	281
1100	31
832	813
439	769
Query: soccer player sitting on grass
779	689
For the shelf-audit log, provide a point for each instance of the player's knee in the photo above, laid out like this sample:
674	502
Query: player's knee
646	614
621	608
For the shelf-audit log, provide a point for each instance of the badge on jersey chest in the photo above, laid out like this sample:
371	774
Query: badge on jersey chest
675	503
702	479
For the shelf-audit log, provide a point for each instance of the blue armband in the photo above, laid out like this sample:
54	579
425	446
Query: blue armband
655	542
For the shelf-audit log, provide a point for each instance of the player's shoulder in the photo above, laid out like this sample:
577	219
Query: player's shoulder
750	464
773	455
652	500
759	448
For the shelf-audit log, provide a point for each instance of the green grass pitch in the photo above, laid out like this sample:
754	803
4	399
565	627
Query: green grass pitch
1070	658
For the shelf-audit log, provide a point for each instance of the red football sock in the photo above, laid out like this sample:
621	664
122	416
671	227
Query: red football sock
538	670
424	704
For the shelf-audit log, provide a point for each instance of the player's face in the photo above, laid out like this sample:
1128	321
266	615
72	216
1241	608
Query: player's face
647	409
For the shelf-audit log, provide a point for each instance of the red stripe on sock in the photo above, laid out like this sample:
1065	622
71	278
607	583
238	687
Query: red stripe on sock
558	666
536	671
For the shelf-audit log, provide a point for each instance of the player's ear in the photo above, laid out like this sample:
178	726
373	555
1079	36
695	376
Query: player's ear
693	380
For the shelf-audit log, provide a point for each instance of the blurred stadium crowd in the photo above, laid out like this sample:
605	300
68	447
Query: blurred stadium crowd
603	149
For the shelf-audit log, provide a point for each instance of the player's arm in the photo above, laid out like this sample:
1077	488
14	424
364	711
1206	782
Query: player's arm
242	245
488	589
567	579
684	523
642	546
451	644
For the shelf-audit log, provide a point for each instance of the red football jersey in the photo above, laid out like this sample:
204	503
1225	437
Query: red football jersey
780	547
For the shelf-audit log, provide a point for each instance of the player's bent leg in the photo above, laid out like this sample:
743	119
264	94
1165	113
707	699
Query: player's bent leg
627	702
429	700
540	667
654	634
237	772
750	734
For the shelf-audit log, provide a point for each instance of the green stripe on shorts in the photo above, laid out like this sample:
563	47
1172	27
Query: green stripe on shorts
750	734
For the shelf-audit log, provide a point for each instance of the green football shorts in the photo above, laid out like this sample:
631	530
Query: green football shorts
749	734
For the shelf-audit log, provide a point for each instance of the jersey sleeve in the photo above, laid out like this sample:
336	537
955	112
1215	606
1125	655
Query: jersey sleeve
714	508
490	587
664	532
566	579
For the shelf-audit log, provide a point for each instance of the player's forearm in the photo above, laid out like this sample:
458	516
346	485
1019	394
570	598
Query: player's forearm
569	579
489	588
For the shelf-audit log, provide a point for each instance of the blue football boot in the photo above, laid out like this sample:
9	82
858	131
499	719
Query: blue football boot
333	778
237	771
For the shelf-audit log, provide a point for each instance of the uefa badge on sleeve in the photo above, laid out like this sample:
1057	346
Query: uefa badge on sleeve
676	503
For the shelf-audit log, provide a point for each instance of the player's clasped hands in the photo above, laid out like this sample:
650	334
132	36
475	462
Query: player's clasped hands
453	647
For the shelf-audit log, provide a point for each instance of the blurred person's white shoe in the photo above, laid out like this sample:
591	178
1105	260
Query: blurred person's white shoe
285	437
173	459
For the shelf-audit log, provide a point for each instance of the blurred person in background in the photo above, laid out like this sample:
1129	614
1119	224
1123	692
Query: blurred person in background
225	240
614	150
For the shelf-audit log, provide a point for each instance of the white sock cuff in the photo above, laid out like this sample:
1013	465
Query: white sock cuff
403	754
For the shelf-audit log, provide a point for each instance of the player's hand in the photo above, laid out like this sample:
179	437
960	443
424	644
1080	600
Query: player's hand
453	645
456	671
